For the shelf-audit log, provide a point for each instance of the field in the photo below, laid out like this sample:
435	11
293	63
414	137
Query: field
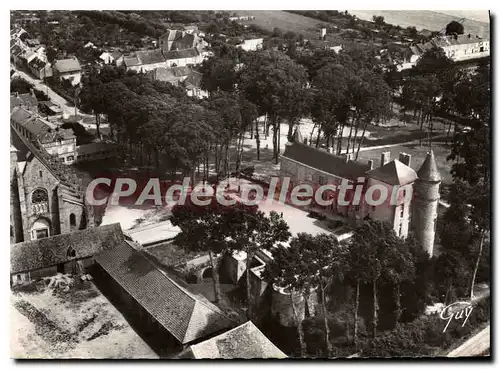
431	20
269	19
78	323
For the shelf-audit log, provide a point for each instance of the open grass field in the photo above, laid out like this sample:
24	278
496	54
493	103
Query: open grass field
431	20
269	19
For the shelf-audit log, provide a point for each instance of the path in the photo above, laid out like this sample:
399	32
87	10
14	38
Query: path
54	97
474	346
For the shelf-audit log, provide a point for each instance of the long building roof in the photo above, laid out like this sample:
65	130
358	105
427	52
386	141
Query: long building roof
178	310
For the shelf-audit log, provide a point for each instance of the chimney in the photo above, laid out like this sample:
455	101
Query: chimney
370	164
405	158
384	158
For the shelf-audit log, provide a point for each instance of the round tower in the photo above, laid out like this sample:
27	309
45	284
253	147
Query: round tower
425	207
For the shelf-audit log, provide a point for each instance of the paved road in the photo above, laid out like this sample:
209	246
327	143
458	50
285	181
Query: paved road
474	346
54	97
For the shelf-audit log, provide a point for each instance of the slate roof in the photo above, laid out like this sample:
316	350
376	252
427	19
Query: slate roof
47	252
429	170
178	310
322	160
394	173
181	54
67	65
243	342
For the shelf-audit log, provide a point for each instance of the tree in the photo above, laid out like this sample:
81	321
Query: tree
273	82
378	20
325	262
287	270
201	231
249	230
454	27
369	253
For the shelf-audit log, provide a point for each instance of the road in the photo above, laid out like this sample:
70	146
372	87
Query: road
54	97
474	346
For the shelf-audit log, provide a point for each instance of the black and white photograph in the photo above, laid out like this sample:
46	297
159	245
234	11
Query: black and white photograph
250	184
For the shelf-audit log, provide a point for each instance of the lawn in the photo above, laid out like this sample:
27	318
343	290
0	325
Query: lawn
79	323
269	19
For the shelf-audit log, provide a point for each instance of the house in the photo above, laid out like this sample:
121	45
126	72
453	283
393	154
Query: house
252	44
15	53
112	57
54	140
192	85
191	29
17	32
32	42
68	69
26	57
70	253
163	305
173	75
178	40
27	101
96	151
456	47
146	60
243	342
49	108
40	68
89	45
181	58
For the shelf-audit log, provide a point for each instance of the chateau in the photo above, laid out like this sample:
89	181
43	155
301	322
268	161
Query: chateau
416	213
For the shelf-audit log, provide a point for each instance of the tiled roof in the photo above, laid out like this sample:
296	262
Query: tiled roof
429	170
194	80
182	314
394	173
181	54
37	63
243	342
322	160
116	55
27	100
47	252
131	61
150	56
67	65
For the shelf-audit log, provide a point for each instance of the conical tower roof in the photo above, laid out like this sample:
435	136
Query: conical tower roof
429	170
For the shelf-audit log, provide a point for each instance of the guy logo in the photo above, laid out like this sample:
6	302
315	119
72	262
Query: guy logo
458	310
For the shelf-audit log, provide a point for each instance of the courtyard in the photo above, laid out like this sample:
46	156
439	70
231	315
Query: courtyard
77	322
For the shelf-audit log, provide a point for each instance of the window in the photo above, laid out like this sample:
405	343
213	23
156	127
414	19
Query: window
481	49
71	253
40	195
402	212
19	277
41	233
400	229
72	220
40	174
70	158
